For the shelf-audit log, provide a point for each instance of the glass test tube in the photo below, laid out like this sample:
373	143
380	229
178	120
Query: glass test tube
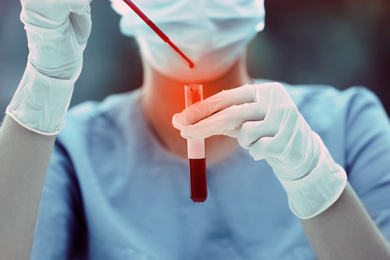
196	151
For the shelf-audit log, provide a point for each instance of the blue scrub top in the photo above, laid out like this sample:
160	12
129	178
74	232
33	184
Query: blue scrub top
113	192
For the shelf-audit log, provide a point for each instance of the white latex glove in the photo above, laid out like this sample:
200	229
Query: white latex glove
57	33
266	121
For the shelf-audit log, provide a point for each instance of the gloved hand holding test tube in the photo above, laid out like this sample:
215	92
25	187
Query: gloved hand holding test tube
265	121
196	150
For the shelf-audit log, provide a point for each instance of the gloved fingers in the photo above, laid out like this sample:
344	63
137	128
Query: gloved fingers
251	131
283	140
285	130
82	25
42	13
270	137
266	147
78	6
223	122
279	123
258	150
295	159
216	103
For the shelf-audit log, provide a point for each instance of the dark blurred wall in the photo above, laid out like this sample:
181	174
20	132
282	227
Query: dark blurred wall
336	42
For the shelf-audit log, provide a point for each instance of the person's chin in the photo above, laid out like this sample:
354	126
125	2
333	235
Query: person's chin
199	74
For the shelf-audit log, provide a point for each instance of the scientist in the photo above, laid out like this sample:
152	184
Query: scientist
294	172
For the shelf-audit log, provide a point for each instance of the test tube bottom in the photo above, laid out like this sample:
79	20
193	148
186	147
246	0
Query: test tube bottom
198	180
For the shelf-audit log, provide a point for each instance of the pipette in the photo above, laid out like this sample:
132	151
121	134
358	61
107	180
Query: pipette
196	150
157	30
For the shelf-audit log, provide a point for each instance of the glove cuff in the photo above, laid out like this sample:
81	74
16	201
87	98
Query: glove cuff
316	192
40	102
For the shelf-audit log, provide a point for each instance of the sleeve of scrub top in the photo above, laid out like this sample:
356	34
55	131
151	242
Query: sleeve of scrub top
368	155
60	222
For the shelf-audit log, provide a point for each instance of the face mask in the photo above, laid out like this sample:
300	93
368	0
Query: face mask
211	33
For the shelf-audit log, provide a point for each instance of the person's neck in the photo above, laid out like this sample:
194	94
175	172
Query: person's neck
162	98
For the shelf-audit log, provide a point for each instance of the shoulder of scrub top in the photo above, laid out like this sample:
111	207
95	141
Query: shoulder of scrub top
327	95
111	110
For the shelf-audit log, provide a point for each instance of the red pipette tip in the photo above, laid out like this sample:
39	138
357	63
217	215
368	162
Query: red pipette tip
181	54
157	30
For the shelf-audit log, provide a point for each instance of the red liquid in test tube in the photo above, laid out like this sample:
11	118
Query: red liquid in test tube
196	151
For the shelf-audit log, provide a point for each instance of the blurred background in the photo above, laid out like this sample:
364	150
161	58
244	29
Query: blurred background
341	43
